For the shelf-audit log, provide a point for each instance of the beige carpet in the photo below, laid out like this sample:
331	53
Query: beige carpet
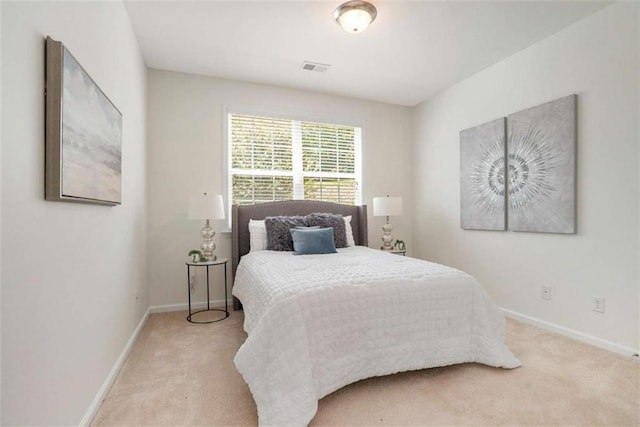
183	374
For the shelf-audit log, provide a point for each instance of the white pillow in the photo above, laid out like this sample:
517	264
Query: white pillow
348	230
257	235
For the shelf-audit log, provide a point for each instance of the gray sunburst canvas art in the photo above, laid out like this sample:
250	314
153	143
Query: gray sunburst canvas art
542	153
534	188
482	179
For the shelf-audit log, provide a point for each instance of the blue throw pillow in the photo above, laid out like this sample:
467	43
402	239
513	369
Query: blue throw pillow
326	220
308	241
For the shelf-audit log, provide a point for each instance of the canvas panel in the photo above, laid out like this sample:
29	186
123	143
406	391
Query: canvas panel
542	157
482	181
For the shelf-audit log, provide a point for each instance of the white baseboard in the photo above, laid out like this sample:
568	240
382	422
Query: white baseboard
106	386
102	393
579	336
194	306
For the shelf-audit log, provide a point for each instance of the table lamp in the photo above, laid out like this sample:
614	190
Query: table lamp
207	207
387	206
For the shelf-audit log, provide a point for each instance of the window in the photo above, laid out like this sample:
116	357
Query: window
279	159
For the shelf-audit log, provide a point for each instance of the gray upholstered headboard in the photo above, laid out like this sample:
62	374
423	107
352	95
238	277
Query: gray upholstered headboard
240	216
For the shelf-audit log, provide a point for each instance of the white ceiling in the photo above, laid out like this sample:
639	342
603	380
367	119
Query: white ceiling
413	50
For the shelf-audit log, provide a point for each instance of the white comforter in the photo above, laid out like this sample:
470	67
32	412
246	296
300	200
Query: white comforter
316	323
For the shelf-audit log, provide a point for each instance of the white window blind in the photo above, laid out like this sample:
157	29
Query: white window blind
279	159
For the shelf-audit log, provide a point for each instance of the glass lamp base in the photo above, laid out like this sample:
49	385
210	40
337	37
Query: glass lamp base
208	246
387	238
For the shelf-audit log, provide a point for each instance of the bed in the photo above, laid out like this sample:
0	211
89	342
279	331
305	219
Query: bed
316	323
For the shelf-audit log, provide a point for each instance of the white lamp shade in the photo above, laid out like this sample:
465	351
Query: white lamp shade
206	206
387	206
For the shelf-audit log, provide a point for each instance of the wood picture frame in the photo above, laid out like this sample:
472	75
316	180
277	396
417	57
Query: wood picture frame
83	134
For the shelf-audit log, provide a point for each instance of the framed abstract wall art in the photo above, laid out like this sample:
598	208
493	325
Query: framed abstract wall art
83	134
519	174
482	177
542	167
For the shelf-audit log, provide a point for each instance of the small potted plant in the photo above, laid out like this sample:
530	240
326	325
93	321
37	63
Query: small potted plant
196	255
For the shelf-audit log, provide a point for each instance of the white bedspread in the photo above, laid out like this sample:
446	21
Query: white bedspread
316	323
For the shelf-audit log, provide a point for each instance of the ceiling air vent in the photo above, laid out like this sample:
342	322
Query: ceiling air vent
315	66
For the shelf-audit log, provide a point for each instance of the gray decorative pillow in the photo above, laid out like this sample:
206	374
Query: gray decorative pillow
278	234
326	220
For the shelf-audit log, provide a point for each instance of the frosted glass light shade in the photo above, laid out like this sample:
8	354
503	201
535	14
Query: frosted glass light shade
355	16
387	206
206	206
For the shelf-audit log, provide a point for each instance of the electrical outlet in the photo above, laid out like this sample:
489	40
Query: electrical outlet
193	282
598	304
545	292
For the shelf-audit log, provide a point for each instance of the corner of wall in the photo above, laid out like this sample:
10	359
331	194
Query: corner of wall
638	138
1	38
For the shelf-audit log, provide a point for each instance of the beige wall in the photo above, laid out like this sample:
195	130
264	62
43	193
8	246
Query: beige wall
70	272
185	155
596	58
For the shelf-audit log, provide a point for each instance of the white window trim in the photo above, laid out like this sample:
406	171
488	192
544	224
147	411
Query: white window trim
298	184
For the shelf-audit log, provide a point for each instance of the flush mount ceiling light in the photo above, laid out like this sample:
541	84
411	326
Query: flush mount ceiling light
355	16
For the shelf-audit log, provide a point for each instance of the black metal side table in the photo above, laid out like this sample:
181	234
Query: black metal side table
207	264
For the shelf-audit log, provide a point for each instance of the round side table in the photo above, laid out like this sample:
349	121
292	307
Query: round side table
207	264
